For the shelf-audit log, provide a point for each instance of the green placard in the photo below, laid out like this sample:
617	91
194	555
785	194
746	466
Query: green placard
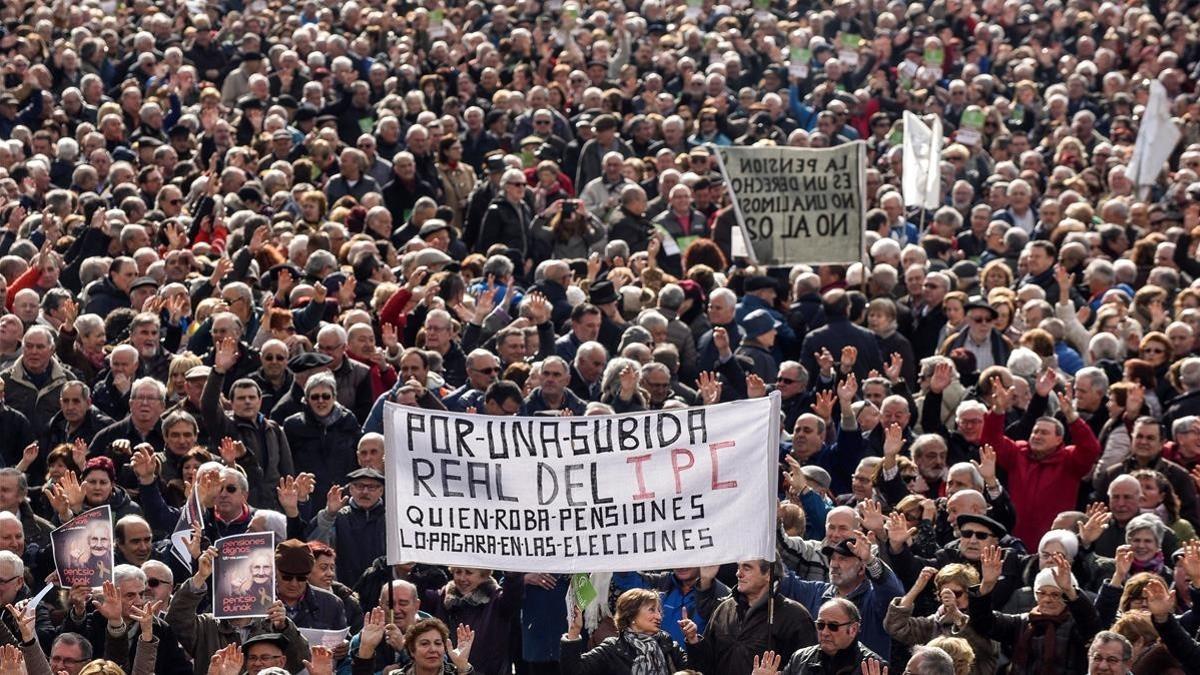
585	593
850	41
934	57
972	119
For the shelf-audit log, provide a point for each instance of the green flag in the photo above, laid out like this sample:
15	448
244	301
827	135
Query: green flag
585	593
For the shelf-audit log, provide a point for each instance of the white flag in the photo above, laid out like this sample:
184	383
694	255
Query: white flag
1157	137
922	158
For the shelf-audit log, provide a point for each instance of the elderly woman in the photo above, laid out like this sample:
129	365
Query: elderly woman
881	319
97	486
642	646
619	386
81	341
324	435
426	642
950	619
1150	655
1051	637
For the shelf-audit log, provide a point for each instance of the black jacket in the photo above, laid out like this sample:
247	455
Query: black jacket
737	632
104	297
615	656
505	223
326	451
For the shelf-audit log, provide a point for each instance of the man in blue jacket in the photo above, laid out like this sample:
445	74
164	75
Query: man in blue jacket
856	574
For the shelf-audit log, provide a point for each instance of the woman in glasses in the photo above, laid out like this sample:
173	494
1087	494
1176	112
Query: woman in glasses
949	619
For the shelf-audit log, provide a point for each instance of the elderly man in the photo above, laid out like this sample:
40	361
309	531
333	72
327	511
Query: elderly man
404	601
855	574
734	636
1124	503
839	648
988	345
1110	654
353	378
264	451
32	384
553	394
601	195
1147	453
147	400
111	394
228	325
357	530
483	368
1036	485
113	620
587	370
202	634
69	653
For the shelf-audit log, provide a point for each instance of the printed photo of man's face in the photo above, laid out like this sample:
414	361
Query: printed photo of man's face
261	568
99	540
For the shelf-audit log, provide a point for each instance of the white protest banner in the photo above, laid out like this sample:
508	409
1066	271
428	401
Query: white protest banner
798	205
922	178
1156	140
652	490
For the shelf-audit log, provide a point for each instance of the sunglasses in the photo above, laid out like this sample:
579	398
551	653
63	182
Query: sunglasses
786	380
909	478
231	489
487	371
151	582
831	626
293	577
1153	350
174	202
273	357
320	397
974	534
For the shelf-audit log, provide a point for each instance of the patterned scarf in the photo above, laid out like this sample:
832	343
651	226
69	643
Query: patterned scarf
649	660
1046	662
1154	564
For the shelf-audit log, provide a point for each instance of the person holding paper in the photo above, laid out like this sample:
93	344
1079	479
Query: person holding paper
202	634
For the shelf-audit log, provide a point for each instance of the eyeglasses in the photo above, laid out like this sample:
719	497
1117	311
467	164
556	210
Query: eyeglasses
487	371
974	534
4	582
832	626
1110	660
786	380
274	357
155	583
320	397
264	658
146	399
293	577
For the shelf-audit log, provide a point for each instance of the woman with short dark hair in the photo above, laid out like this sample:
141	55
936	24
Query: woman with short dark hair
641	648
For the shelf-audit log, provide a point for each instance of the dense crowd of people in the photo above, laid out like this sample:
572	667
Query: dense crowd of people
232	230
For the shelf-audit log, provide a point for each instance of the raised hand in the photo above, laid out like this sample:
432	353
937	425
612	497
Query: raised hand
691	634
898	531
539	308
1001	396
893	367
823	405
991	562
145	617
334	500
1045	382
846	392
210	485
941	378
289	496
1098	517
110	604
874	667
1191	561
321	663
1066	404
227	661
372	632
709	387
629	382
231	451
462	651
927	574
306	484
28	456
12	660
893	441
986	464
849	358
277	615
226	356
796	480
195	540
767	664
872	515
575	625
1159	600
204	566
825	362
1062	576
145	466
755	387
79	452
24	620
720	338
1124	561
861	545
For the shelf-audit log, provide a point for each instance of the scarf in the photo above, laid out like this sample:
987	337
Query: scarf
1154	564
649	659
453	599
1046	662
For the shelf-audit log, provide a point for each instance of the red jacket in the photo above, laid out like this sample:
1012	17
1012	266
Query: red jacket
1041	489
